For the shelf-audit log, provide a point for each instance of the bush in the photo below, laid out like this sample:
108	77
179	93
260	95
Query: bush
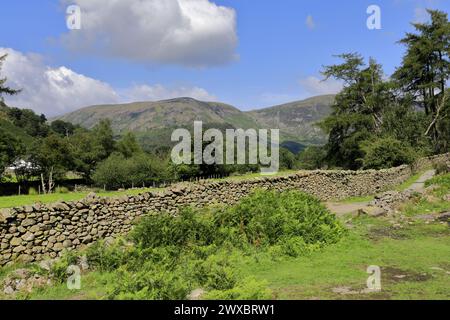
387	153
118	171
32	191
270	218
312	158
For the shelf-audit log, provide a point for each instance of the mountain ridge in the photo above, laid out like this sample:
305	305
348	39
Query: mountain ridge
296	120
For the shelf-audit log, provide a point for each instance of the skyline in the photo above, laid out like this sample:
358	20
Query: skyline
245	54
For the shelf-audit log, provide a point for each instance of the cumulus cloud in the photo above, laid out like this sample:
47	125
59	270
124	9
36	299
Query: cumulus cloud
55	91
314	86
51	90
310	22
195	33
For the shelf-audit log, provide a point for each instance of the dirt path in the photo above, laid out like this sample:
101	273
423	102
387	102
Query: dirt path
340	208
419	185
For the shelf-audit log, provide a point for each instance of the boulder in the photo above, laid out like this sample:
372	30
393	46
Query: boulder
5	214
373	211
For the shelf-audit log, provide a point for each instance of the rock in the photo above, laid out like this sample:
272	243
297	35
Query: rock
19	249
8	290
21	273
5	214
196	294
58	247
444	217
67	244
47	264
28	237
61	206
15	242
28	222
373	211
25	258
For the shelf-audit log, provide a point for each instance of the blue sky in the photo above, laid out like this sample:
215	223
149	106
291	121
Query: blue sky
271	55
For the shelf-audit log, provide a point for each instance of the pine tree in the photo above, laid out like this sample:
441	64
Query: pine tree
426	69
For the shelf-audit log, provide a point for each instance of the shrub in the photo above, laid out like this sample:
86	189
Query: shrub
387	153
270	218
118	171
32	191
163	229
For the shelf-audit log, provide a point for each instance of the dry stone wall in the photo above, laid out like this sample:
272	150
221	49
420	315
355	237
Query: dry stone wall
40	231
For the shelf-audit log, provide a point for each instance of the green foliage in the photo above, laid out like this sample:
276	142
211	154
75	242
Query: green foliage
169	256
249	289
440	180
32	191
358	110
387	153
118	171
288	160
128	145
33	124
270	218
51	155
312	158
63	128
10	149
425	71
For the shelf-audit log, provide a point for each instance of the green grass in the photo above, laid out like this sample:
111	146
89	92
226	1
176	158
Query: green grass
23	200
413	253
345	264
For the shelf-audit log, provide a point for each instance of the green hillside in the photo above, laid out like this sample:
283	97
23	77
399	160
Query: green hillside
154	121
296	120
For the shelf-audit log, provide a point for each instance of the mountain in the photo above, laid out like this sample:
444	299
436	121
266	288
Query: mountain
153	121
296	119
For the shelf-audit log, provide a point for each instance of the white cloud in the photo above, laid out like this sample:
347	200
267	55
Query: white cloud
310	22
195	33
55	91
51	90
158	92
314	86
